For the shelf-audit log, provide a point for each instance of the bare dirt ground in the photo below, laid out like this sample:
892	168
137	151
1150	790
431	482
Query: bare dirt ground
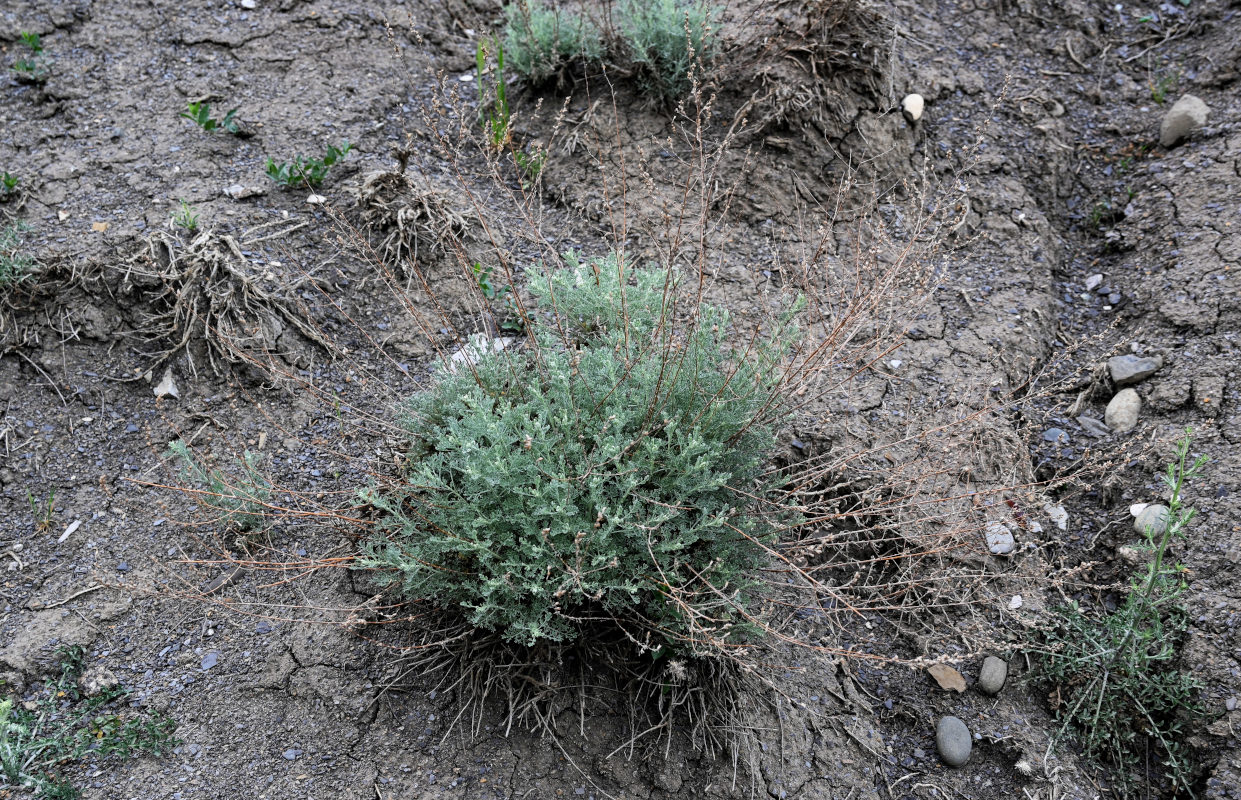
1042	119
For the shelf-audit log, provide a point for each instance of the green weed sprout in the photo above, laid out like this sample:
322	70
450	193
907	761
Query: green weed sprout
8	184
200	115
240	501
1113	678
33	68
310	171
666	40
511	321
186	217
611	469
495	114
62	725
542	41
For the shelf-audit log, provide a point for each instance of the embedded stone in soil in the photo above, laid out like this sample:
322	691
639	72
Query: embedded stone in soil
1122	413
1131	369
952	740
1152	520
992	675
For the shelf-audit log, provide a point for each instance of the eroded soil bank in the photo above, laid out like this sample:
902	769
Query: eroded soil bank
1043	121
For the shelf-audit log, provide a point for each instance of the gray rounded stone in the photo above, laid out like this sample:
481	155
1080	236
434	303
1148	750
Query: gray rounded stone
952	740
1186	116
992	675
1153	520
1122	413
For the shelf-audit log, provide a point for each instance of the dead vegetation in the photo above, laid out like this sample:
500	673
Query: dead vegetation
416	222
206	299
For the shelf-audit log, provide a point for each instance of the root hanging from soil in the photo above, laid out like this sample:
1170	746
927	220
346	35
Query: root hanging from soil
553	687
415	221
814	56
208	291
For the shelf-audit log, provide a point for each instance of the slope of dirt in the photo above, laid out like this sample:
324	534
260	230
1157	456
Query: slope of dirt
1043	113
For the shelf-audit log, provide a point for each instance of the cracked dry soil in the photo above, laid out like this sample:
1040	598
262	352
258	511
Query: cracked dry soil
1045	109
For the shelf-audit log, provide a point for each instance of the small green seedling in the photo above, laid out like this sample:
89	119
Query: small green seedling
8	184
308	171
32	41
33	68
511	323
200	115
41	510
186	217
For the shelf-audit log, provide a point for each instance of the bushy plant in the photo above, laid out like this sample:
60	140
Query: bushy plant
666	40
609	470
541	41
15	265
240	501
1114	679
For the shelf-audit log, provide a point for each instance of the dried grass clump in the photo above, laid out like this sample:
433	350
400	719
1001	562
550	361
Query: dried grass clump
208	291
417	222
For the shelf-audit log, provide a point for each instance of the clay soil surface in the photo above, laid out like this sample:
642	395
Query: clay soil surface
1041	125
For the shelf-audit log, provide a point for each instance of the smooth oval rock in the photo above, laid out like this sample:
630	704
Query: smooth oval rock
1131	369
952	740
1186	116
1153	520
992	675
1122	413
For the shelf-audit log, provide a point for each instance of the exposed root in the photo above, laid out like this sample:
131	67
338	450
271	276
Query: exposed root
416	221
819	55
209	291
553	687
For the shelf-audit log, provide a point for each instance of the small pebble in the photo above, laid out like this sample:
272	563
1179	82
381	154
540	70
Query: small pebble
992	675
1122	412
1055	435
1152	520
1000	539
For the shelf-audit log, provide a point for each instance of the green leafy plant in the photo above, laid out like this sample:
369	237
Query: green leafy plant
493	108
41	509
32	68
614	469
200	115
510	321
1162	85
495	114
542	42
186	217
307	171
667	40
1113	678
8	184
15	265
239	501
62	725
